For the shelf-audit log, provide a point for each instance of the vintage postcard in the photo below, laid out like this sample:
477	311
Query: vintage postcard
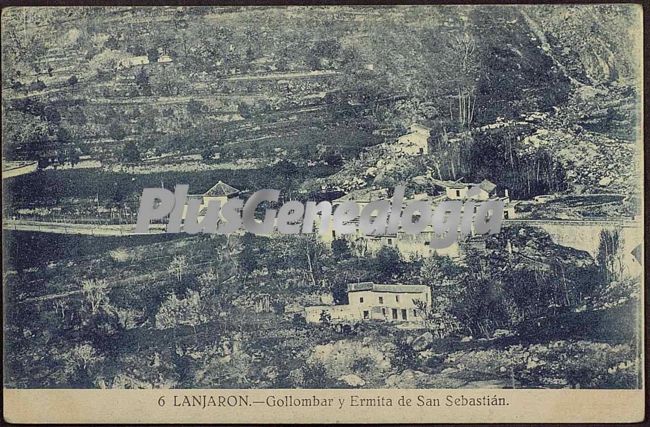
276	214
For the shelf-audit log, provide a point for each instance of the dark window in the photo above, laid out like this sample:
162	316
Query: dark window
415	312
381	300
457	193
403	314
390	242
366	315
383	311
394	313
397	298
360	299
505	214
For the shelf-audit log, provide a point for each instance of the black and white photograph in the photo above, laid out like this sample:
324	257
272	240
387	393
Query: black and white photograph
326	197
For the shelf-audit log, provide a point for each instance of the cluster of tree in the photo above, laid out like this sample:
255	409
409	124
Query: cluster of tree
503	289
40	134
142	81
500	157
488	291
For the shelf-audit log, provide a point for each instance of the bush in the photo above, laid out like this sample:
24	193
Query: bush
405	356
207	154
581	364
388	263
116	132
314	375
120	255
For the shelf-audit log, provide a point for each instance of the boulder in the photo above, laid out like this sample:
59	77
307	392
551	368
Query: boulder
604	182
352	380
422	342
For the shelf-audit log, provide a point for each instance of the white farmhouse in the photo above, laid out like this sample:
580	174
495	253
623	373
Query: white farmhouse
132	62
372	301
459	190
220	192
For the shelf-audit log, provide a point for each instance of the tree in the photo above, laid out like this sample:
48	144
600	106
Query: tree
52	115
608	256
142	80
187	311
313	250
314	374
333	159
438	317
436	270
248	256
285	168
95	293
324	53
64	136
128	318
194	107
37	86
78	364
77	117
177	267
340	248
325	318
153	55
207	153
112	43
388	263
130	152
245	110
116	132
405	356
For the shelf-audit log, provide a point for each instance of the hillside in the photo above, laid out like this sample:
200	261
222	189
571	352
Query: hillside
125	85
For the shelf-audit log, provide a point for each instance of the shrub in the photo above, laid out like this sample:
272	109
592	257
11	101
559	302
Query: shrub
120	255
314	376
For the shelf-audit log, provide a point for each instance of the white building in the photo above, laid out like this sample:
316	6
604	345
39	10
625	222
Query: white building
371	301
133	62
458	190
220	192
484	190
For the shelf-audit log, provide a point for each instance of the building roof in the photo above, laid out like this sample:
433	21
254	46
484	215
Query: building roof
221	189
364	195
376	287
449	184
487	186
421	179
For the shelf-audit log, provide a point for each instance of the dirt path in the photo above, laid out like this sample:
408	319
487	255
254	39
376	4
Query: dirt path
273	76
83	229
